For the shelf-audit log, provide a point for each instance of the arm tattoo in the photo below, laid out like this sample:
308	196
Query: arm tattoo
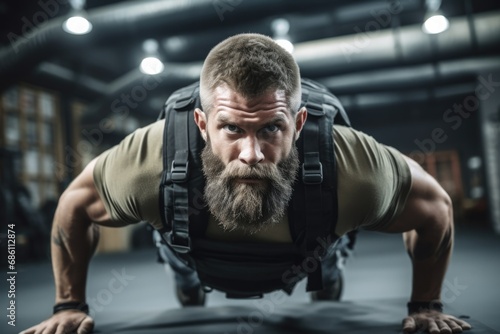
96	233
60	238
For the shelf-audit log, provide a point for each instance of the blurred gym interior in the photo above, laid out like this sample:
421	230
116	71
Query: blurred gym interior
431	89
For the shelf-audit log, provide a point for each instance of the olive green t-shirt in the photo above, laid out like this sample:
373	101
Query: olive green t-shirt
373	179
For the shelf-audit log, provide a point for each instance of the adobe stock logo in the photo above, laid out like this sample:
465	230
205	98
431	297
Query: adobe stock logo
451	291
263	308
48	10
382	19
222	6
104	296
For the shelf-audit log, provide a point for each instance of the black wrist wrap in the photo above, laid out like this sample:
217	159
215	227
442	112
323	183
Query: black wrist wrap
71	306
415	307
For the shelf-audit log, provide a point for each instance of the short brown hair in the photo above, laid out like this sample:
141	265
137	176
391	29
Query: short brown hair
250	64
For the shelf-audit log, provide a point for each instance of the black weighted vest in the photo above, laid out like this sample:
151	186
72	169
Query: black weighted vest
248	269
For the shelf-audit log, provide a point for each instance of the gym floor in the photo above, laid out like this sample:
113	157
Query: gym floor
130	293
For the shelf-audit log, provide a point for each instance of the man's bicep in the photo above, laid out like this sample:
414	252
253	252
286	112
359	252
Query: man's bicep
83	194
425	198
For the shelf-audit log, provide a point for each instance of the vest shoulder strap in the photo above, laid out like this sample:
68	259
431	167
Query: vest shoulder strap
313	209
181	187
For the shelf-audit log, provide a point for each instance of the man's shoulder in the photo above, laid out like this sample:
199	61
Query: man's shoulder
142	147
154	128
344	129
350	135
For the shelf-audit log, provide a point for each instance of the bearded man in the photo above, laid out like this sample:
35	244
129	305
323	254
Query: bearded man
250	118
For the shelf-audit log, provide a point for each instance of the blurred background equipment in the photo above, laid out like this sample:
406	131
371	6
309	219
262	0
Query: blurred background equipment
31	225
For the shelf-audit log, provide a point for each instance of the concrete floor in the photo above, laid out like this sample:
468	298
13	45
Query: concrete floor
132	287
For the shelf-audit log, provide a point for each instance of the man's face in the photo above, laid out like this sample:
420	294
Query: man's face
250	160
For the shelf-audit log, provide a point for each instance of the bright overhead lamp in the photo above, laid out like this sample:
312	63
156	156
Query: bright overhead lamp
435	24
77	25
280	28
151	66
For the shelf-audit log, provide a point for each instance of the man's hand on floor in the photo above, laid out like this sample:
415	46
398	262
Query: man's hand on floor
434	322
64	322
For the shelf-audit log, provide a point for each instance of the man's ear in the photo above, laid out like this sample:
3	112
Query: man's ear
300	120
200	118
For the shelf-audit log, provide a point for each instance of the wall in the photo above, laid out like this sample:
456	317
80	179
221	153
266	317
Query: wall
419	129
490	128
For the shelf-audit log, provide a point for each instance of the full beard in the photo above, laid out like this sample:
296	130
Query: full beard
248	206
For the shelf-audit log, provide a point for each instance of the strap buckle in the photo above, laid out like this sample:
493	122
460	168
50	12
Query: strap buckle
312	174
181	244
179	172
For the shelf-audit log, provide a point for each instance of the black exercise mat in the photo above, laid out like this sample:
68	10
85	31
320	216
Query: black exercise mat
375	317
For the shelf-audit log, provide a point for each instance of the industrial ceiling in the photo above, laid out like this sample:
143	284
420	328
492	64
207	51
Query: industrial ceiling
372	54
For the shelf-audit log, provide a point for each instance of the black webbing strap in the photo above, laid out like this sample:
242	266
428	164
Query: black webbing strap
174	186
164	184
312	177
179	237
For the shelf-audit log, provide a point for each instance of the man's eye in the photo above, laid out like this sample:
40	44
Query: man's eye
232	128
271	128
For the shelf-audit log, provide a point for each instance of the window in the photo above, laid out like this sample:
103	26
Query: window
31	129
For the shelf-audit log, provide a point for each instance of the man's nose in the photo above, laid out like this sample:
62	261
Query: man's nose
250	153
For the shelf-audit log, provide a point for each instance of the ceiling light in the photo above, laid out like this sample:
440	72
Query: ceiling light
152	63
280	28
435	24
151	66
285	44
77	25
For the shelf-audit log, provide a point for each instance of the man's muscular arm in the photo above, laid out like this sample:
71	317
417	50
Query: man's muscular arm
74	237
427	226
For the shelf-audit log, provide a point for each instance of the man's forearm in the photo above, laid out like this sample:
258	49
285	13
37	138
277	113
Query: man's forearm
430	250
73	243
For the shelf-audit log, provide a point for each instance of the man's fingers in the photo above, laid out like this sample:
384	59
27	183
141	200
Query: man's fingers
455	328
66	322
458	320
30	330
61	329
443	327
434	323
40	328
50	328
35	329
409	325
462	324
433	327
465	325
86	326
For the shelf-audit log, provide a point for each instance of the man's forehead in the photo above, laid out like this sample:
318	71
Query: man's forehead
228	116
225	96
